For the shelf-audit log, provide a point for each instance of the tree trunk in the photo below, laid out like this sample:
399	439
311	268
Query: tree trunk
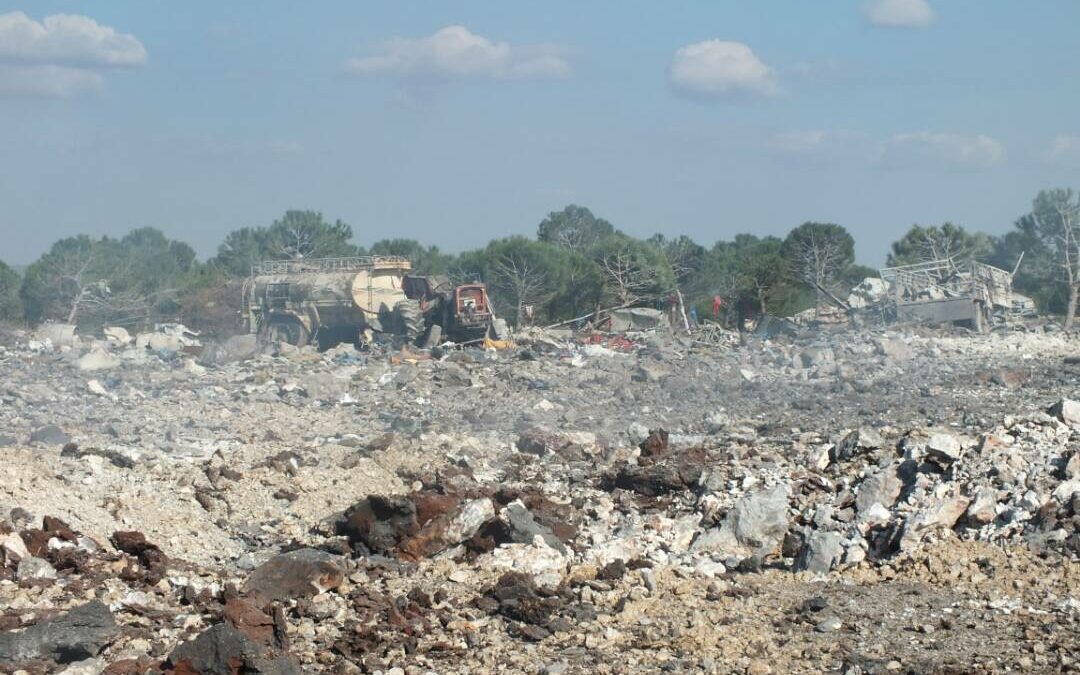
75	307
1070	313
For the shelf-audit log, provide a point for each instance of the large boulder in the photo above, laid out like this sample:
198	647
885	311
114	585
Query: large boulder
50	434
940	515
944	449
447	529
821	552
225	650
857	442
523	528
1067	411
545	566
755	526
78	635
57	334
97	359
296	574
983	508
236	348
882	487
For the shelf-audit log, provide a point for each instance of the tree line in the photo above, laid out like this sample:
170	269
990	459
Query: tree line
576	263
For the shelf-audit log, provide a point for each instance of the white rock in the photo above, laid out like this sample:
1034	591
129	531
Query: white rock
96	359
544	564
944	449
118	335
1064	492
13	548
34	568
710	568
755	525
983	508
87	667
474	514
1067	411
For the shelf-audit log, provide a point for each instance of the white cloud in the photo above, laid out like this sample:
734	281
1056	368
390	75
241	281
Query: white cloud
922	147
61	55
898	13
454	53
66	39
719	69
1064	151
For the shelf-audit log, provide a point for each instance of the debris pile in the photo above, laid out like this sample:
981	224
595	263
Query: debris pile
869	501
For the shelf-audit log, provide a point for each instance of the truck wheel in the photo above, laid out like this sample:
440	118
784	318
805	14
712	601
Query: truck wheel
434	336
287	330
411	319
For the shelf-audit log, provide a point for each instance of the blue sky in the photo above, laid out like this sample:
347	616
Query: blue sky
457	122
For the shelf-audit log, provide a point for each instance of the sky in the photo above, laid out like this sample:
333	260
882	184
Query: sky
454	123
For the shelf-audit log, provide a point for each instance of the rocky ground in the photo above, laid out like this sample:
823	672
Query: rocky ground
842	501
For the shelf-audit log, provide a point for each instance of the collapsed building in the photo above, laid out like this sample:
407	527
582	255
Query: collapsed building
940	291
973	295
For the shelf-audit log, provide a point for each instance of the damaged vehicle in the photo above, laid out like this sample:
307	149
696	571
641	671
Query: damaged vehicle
333	300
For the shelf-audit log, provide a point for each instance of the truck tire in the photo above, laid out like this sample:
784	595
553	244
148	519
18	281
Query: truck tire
410	319
434	336
287	330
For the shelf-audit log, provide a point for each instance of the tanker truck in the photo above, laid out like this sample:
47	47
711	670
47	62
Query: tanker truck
335	300
331	300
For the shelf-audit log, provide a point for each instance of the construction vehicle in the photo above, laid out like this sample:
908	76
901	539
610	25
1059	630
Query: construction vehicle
330	300
456	313
335	300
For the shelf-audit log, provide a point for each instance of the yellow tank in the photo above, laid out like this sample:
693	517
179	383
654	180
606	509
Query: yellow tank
330	298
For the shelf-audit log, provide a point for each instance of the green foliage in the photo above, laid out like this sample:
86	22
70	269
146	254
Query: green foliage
575	228
1047	239
751	275
10	306
577	264
632	270
90	281
297	234
923	244
682	254
523	273
241	249
1038	276
854	275
425	259
819	253
54	283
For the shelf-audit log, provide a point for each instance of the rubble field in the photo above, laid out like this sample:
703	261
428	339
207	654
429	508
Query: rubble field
855	501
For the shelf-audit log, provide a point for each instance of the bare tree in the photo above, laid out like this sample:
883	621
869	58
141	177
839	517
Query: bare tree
1070	257
818	252
1056	216
71	280
681	254
299	240
626	277
523	280
818	258
83	293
